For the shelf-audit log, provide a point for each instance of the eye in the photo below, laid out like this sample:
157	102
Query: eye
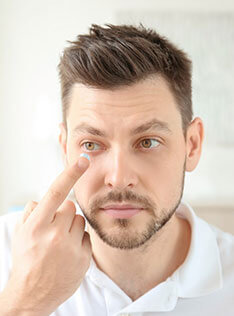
90	145
148	142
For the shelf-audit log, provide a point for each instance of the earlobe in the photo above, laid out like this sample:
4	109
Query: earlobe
194	141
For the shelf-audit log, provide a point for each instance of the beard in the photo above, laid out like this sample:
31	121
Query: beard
124	235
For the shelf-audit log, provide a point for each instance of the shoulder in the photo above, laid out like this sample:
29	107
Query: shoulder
10	218
8	222
224	239
7	226
225	243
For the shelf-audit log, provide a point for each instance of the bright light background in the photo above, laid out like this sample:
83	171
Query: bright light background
33	35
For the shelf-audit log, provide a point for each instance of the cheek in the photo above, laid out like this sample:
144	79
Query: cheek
87	185
166	178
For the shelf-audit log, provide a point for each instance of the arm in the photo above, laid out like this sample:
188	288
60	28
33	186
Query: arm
12	304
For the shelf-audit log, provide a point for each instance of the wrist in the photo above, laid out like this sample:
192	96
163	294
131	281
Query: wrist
12	305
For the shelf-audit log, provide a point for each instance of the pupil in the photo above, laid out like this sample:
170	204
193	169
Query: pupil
147	140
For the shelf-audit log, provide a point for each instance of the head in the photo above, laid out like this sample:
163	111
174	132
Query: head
126	96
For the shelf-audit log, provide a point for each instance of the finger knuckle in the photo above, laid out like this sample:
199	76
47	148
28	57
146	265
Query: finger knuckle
69	204
86	238
34	203
28	205
34	232
55	237
80	220
55	194
86	253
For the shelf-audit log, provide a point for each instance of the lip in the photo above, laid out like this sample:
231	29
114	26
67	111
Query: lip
121	207
122	213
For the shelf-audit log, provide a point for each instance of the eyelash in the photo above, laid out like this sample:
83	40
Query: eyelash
139	142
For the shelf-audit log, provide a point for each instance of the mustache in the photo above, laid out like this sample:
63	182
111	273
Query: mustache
122	197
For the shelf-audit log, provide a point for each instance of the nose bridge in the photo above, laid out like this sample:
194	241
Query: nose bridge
120	172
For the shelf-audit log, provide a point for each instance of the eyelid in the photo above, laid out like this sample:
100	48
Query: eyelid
138	142
150	137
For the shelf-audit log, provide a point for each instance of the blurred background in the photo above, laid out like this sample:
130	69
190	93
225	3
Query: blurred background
33	36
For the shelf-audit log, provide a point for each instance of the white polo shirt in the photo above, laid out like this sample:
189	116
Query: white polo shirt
202	286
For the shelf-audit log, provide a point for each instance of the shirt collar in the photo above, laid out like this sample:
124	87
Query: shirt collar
200	274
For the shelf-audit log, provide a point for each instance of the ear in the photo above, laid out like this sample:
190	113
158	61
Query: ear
194	141
63	142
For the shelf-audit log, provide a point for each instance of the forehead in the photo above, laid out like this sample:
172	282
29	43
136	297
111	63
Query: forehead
139	102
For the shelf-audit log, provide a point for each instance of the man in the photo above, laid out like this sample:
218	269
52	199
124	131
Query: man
126	91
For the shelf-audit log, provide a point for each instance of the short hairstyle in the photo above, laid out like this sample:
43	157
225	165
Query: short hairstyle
120	55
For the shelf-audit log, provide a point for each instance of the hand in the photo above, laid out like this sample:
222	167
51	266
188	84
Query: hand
51	251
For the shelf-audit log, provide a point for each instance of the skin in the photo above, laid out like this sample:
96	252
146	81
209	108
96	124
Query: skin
50	251
126	169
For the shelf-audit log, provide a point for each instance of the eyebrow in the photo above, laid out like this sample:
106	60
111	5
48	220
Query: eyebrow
154	124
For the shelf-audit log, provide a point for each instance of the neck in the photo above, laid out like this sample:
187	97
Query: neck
136	271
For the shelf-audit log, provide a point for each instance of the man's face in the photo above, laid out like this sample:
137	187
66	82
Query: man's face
145	168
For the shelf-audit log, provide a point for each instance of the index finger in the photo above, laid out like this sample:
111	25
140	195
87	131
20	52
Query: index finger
59	190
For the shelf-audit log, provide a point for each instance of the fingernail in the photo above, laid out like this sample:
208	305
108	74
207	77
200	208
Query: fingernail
82	163
85	155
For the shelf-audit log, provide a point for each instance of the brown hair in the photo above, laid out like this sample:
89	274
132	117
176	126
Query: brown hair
117	55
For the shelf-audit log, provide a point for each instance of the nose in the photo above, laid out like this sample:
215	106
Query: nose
120	172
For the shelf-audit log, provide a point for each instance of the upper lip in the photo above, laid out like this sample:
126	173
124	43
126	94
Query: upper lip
121	206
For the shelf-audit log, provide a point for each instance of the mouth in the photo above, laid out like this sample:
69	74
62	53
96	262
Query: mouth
124	211
122	206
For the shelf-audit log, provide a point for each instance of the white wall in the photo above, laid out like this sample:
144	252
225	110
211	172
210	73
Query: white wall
33	34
